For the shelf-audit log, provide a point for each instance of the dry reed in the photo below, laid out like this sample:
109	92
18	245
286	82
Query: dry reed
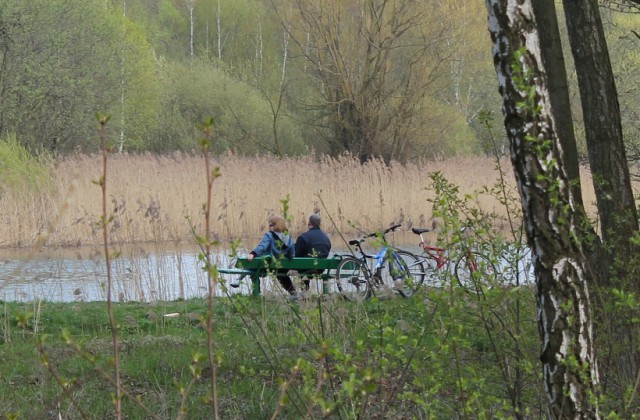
157	198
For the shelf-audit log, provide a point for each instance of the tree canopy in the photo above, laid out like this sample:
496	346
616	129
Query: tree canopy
295	77
375	79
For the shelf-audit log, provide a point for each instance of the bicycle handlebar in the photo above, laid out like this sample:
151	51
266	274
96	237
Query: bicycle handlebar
418	231
391	229
358	242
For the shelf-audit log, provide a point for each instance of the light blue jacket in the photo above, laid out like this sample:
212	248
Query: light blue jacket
276	244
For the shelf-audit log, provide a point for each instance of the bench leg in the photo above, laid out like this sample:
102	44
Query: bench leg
255	283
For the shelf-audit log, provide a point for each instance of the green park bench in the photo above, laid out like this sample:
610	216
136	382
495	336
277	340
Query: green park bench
262	267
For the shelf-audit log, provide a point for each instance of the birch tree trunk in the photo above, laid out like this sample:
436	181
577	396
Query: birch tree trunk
191	41
122	78
603	129
219	27
285	56
259	53
552	216
612	184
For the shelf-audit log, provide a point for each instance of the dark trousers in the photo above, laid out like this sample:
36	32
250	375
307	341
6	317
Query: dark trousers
285	282
308	275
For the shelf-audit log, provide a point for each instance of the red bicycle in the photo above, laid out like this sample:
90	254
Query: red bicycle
472	269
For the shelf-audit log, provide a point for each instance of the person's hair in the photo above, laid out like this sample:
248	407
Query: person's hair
279	225
314	220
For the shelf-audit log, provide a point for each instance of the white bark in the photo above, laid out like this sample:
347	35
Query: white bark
259	51
285	54
552	219
219	27
122	79
191	41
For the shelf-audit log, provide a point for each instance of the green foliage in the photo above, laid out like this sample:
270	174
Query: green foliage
19	170
59	70
62	60
500	303
444	132
423	357
136	116
165	23
61	67
241	23
623	42
196	90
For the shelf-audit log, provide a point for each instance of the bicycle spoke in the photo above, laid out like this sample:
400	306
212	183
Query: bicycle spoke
475	272
433	273
405	272
352	279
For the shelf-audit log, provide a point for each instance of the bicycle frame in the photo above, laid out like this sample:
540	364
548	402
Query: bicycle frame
468	260
382	256
379	258
436	253
396	269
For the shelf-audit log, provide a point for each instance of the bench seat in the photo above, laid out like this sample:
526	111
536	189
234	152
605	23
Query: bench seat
264	266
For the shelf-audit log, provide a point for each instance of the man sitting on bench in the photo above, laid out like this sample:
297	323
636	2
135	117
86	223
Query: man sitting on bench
313	243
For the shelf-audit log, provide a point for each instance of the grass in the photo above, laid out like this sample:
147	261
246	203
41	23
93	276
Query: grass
388	358
156	354
151	196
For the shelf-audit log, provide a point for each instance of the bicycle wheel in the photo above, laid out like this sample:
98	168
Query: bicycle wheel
475	272
406	272
352	279
433	273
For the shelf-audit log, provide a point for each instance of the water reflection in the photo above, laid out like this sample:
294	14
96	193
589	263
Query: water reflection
157	273
63	276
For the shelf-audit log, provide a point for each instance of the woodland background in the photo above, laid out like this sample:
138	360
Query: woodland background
292	77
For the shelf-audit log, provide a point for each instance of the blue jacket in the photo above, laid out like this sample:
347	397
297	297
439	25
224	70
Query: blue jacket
269	245
313	243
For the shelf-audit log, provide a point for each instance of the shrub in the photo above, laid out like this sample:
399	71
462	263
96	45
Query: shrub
19	169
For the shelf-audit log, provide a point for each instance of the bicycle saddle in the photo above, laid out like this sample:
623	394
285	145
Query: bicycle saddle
418	231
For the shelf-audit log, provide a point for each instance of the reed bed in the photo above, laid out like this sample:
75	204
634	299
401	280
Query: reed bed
159	199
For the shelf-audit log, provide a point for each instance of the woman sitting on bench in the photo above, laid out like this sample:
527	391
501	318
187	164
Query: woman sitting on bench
278	244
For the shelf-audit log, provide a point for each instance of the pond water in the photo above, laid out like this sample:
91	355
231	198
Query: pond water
144	275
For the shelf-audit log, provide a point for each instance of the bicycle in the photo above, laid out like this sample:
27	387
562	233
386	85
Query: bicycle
472	269
397	270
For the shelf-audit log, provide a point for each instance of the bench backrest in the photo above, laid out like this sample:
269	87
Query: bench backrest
304	263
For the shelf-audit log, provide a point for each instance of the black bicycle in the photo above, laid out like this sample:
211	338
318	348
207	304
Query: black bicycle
390	270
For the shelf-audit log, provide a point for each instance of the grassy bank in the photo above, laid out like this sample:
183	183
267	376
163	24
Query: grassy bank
439	355
158	198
